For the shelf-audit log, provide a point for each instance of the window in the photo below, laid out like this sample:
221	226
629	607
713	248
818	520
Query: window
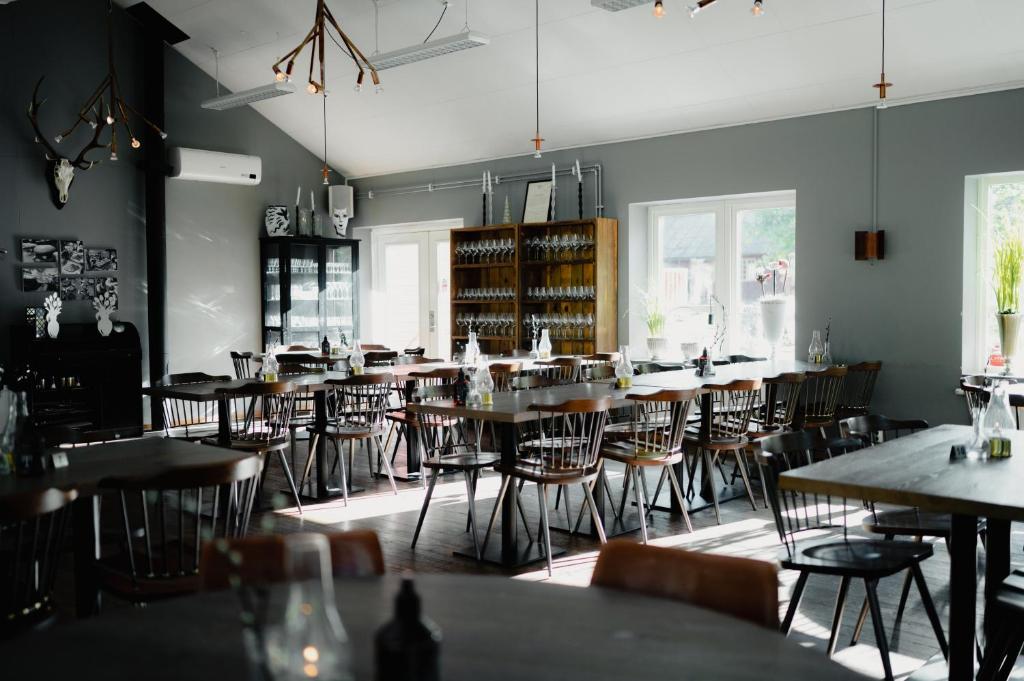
993	211
705	255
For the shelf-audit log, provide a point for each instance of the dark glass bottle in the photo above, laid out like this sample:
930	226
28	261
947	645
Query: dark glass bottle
325	346
29	443
408	648
702	363
461	387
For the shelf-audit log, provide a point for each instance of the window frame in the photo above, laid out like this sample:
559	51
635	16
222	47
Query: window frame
728	258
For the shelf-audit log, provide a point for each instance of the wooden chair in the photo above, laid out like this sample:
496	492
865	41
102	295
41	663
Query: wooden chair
567	455
655	439
242	362
269	432
784	391
165	519
561	369
732	406
504	373
609	358
643	368
975	391
822	392
32	528
298	347
261	560
357	415
372	346
414	352
187	419
743	588
598	372
859	388
400	421
416	359
1007	638
446	447
798	514
532	381
380	358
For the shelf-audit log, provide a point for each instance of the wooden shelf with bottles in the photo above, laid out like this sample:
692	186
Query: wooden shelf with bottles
584	255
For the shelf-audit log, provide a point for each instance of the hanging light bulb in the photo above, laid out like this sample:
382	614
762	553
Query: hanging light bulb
312	88
758	8
882	85
359	82
659	9
701	4
110	119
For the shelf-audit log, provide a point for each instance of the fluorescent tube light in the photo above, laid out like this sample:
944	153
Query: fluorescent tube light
257	94
617	5
434	48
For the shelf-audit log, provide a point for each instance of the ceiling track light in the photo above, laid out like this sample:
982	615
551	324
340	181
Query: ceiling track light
701	5
758	8
323	22
659	9
882	85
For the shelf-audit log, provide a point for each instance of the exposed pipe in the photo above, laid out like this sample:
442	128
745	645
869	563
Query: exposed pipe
474	183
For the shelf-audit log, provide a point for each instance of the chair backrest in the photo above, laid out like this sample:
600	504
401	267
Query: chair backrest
860	386
975	391
822	392
784	390
439	376
372	346
242	362
293	369
609	358
380	358
186	414
440	435
740	359
167	517
732	407
259	413
503	374
642	368
875	428
32	527
532	381
561	369
798	512
262	559
359	403
414	352
658	421
296	348
741	587
598	372
571	433
416	359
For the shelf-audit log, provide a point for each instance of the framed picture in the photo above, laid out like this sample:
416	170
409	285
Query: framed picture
538	201
101	259
39	251
77	288
42	279
105	285
72	257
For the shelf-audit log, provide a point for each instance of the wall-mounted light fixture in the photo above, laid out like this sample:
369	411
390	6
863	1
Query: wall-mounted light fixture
869	245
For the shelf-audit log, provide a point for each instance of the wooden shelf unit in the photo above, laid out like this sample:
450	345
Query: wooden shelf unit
595	266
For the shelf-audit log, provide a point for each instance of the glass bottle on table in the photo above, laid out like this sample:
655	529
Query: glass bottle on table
270	364
624	369
544	347
484	382
999	422
357	360
816	350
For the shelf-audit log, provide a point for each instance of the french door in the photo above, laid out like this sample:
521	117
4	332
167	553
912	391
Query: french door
412	290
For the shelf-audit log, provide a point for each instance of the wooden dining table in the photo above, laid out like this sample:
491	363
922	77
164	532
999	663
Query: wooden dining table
492	628
87	468
916	470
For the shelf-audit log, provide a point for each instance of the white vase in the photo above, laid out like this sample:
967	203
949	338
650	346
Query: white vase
773	321
1009	333
103	323
52	326
656	347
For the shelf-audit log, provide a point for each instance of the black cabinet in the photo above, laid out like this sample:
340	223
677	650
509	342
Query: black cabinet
310	289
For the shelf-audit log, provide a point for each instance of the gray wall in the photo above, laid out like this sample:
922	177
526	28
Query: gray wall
212	229
904	310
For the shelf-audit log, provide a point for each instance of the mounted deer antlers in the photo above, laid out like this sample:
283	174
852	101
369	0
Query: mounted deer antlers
59	168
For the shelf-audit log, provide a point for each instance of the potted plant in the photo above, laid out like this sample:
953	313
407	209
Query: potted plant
1006	278
654	318
773	305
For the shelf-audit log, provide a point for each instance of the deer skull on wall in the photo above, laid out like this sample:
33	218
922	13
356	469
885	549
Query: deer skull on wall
59	169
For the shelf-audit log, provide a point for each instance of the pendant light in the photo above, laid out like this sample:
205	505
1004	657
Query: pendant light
882	85
537	139
758	8
659	9
325	171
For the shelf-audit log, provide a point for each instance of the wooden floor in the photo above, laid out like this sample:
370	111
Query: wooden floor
743	532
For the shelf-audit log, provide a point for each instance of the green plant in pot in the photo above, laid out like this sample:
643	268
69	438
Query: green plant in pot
1006	279
654	318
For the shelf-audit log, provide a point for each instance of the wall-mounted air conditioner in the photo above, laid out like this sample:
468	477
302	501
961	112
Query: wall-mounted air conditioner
213	166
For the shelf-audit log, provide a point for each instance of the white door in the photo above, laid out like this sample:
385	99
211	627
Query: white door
411	291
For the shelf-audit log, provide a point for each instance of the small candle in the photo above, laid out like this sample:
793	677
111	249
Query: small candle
483	183
298	196
552	173
312	204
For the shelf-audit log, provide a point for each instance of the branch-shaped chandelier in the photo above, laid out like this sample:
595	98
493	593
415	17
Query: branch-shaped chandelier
105	106
323	22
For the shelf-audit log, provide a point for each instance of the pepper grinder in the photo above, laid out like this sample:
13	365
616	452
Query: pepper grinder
408	648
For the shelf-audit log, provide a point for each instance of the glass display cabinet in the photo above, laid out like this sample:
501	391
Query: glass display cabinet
309	289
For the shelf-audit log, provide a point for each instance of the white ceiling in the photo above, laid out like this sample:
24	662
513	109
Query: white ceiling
604	75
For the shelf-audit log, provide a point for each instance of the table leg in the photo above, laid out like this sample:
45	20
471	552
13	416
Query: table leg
223	424
509	519
963	592
412	441
997	568
85	520
707	476
320	424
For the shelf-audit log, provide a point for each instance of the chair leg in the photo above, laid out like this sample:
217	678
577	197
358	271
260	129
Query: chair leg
470	493
929	608
568	511
741	463
1001	653
657	490
837	616
638	498
598	524
794	602
876	621
426	503
679	497
310	458
608	490
862	618
709	468
546	537
344	476
497	505
387	464
1013	650
288	476
558	496
764	489
904	595
626	480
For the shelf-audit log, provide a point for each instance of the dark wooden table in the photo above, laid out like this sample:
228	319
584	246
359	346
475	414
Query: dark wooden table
87	468
916	471
493	628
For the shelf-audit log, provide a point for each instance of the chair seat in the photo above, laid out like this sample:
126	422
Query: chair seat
909	522
628	454
695	439
118	580
353	432
193	433
463	462
551	443
260	445
537	473
868	558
